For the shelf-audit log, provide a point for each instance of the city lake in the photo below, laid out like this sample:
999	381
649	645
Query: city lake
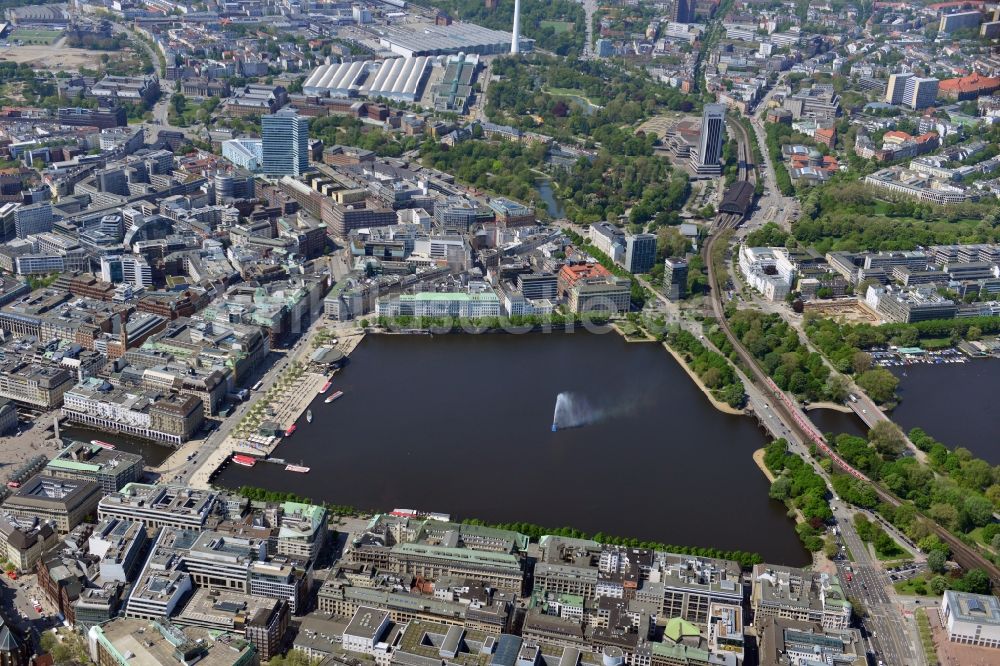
953	403
462	424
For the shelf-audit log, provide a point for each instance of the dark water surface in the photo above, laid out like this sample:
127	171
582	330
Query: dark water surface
838	423
462	424
955	403
152	453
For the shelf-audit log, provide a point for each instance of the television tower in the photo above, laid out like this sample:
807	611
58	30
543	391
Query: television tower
515	42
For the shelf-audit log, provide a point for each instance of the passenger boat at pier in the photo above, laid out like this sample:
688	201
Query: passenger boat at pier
334	396
245	461
296	468
326	387
291	430
103	445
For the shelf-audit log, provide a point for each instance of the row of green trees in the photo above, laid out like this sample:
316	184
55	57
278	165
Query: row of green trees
256	494
775	133
782	355
712	368
514	323
798	485
536	532
847	215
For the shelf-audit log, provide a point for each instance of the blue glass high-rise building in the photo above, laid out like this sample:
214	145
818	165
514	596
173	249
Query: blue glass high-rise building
285	143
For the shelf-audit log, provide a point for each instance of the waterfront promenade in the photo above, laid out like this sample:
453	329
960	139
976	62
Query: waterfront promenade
289	405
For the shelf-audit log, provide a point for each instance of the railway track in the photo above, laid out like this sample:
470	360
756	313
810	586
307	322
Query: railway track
964	555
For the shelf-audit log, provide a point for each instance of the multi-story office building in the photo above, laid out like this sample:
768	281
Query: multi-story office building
163	417
971	619
797	594
919	92
120	545
33	219
675	277
97	605
894	92
341	219
157	642
708	160
436	304
600	294
245	153
284	143
680	11
22	542
29	383
908	306
640	252
266	629
609	239
111	469
785	642
338	596
302	530
461	214
131	269
537	286
63	502
959	21
100	118
161	506
277	580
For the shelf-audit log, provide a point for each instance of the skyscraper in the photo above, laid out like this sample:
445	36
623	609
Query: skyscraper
680	12
675	277
707	160
897	84
515	41
640	252
920	93
285	143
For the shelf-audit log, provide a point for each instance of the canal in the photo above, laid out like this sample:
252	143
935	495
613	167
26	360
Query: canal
462	424
953	403
152	453
552	205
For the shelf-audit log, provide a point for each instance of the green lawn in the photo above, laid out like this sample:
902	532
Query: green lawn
571	92
36	36
914	587
558	26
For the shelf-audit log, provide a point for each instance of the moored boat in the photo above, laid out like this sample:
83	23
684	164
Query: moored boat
103	445
334	396
245	461
291	430
302	469
326	387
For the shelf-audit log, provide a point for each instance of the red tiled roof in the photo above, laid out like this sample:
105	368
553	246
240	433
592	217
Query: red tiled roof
971	83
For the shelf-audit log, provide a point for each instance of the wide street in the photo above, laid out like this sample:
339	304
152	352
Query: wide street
893	638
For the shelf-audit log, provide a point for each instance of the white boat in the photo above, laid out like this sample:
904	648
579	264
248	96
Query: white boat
309	415
301	469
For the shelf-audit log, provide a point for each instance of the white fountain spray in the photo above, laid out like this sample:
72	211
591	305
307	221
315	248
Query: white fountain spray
572	411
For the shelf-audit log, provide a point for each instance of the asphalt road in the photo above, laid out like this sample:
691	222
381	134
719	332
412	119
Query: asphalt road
892	639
